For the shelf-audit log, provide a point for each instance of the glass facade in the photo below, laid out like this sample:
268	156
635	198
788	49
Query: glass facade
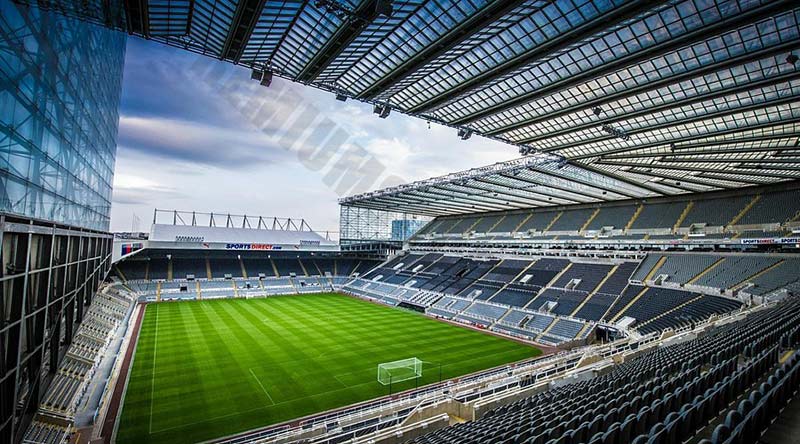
59	115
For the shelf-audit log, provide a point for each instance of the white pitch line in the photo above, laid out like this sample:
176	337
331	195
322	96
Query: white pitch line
153	379
262	387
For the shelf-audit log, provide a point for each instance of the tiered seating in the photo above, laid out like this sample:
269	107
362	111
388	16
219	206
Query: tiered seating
510	222
480	312
588	275
572	220
657	301
63	394
596	306
656	220
565	328
221	267
682	268
287	266
777	207
517	296
477	269
666	395
183	267
45	433
616	217
698	309
778	277
734	269
539	220
486	222
659	215
715	212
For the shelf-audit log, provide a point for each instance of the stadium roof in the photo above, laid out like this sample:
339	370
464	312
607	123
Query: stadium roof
678	96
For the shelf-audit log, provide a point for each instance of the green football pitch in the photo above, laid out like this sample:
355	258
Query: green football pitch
207	369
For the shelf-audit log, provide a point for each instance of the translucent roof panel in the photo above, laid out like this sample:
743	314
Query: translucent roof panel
606	85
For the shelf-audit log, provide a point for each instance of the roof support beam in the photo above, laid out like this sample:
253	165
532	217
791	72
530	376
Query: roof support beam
694	169
559	43
667	46
510	197
677	180
701	152
691	138
470	200
699	118
748	181
621	179
416	202
783	48
668	159
347	32
542	189
138	17
491	13
668	106
244	21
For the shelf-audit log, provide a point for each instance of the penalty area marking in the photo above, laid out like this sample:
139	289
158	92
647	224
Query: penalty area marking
262	387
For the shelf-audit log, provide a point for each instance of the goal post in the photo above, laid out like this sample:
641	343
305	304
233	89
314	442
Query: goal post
399	371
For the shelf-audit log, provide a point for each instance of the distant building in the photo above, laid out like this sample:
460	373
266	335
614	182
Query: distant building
402	229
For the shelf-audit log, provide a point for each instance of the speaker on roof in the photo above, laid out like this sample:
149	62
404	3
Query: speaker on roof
266	79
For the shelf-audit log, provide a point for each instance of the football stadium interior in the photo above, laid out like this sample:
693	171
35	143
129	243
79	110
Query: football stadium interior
633	277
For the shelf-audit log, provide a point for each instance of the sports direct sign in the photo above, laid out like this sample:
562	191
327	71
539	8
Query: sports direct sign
252	247
771	241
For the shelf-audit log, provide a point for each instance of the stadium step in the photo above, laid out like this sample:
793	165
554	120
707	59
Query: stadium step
706	271
158	291
521	224
634	217
199	292
589	221
303	267
558	276
121	274
274	268
744	211
500	219
477	221
169	270
147	270
599	286
244	270
655	268
683	215
208	269
743	283
518	276
670	311
548	328
553	222
630	304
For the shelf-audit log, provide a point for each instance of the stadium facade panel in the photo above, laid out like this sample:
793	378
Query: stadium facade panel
59	110
59	113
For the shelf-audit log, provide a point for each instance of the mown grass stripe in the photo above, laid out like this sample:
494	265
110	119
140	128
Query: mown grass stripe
219	367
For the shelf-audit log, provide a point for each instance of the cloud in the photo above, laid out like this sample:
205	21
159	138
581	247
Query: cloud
135	190
193	142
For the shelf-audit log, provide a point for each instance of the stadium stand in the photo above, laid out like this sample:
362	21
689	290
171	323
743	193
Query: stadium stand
751	213
667	394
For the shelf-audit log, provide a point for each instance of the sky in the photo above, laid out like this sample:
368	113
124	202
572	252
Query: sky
197	134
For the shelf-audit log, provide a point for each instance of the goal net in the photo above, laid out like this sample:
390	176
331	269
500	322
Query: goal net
399	371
